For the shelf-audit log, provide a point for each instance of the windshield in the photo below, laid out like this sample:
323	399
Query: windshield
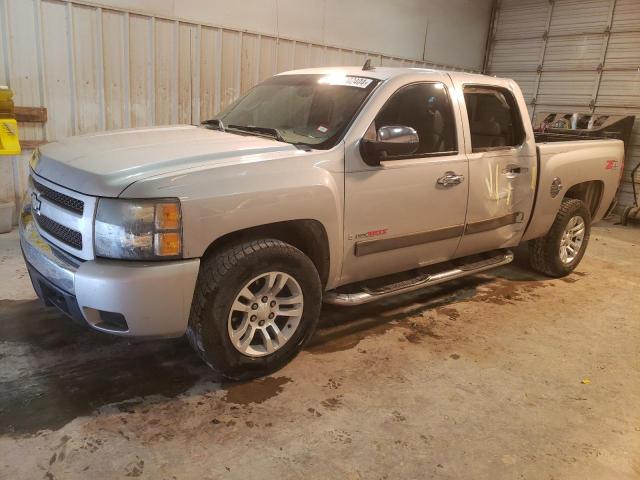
309	110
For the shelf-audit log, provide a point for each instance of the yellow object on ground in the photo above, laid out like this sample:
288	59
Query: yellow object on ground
9	142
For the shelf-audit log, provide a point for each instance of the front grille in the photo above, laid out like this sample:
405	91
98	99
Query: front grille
58	198
62	233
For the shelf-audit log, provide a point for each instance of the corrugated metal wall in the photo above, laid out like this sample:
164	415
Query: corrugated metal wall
573	55
101	68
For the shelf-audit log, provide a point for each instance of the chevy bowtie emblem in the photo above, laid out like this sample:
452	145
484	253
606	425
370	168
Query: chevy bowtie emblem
35	203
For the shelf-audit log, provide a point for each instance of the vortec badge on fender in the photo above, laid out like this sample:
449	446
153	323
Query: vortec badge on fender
372	233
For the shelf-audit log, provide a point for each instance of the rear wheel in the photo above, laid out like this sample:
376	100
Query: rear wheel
559	252
255	306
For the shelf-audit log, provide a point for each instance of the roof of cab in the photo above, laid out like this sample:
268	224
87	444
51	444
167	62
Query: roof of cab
384	73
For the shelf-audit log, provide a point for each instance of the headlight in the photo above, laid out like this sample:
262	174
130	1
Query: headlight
138	229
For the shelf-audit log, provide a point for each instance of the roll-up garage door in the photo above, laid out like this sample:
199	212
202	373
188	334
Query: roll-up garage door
573	56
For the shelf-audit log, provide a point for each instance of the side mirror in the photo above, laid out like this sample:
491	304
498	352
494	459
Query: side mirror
390	141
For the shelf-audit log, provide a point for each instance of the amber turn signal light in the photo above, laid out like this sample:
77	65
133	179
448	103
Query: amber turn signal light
167	216
168	244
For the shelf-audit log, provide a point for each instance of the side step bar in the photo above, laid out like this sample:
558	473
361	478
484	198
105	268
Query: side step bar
368	295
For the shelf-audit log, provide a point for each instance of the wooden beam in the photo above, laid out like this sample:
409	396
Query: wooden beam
31	114
31	144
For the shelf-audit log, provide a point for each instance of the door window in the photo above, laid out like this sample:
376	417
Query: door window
426	108
494	118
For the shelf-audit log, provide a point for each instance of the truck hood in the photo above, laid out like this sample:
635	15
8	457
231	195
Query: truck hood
104	164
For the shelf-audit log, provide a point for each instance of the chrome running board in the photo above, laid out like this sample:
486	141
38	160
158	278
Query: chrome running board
366	295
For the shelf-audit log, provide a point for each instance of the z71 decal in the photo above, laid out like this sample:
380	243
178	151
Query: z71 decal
611	165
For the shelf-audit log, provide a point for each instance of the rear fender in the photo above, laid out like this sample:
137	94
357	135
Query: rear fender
574	164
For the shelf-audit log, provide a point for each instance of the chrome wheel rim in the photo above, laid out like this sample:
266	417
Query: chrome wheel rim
265	314
572	239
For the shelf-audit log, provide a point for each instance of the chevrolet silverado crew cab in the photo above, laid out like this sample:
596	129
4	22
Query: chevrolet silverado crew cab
343	185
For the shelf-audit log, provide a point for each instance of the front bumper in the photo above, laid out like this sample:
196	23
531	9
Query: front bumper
136	299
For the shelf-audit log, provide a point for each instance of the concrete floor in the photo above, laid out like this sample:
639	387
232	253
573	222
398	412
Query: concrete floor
505	375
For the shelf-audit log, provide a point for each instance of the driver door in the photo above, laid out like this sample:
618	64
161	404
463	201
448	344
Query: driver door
404	213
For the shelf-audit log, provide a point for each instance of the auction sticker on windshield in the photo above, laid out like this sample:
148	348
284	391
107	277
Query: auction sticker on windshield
345	81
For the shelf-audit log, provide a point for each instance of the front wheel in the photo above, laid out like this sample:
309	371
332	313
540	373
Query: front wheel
255	306
559	252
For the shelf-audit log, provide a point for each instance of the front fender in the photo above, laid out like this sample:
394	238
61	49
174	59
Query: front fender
219	200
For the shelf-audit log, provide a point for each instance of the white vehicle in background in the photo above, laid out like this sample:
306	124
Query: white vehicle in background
343	184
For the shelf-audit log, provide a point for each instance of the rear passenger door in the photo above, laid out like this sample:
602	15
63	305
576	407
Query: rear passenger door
502	169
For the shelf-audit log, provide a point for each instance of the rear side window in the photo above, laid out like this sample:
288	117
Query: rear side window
426	108
494	118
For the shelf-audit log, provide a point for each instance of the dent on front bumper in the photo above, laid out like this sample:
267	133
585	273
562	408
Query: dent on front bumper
138	299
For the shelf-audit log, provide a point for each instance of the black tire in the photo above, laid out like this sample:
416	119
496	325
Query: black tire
544	252
220	279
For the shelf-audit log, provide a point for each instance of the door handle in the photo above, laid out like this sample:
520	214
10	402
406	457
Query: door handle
513	170
449	179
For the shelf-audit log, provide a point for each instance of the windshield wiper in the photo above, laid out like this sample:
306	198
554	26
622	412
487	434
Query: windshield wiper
262	131
215	123
302	146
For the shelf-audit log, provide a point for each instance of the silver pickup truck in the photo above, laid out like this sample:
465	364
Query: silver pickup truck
339	184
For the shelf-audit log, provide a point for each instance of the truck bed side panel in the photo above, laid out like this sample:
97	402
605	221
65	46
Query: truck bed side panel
573	163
